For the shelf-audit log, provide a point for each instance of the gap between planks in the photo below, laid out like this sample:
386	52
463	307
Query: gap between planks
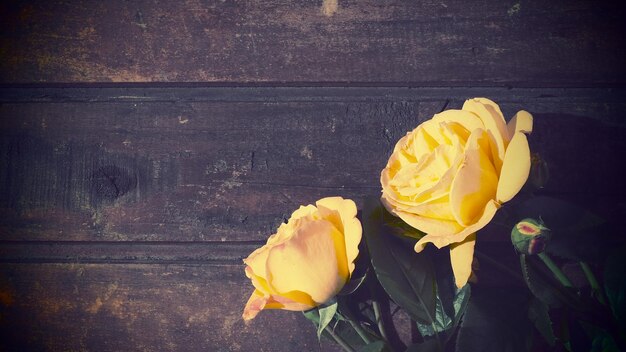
141	93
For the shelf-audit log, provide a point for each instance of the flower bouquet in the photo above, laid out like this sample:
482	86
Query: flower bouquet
370	281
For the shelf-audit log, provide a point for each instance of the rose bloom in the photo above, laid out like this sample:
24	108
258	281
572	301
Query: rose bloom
308	261
448	177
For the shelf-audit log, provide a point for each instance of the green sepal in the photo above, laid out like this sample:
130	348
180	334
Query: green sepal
326	315
313	315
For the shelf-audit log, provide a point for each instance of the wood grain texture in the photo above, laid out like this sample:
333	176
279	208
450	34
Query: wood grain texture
185	165
441	43
146	147
123	252
74	307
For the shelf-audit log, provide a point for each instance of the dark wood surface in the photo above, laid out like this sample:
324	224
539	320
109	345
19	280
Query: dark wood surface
126	208
442	43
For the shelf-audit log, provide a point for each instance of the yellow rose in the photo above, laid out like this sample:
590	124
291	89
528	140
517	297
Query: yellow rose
449	175
308	261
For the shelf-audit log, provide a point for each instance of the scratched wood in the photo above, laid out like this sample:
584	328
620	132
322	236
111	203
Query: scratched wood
90	307
443	43
208	170
125	209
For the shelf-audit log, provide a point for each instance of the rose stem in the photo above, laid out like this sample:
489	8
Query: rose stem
555	270
359	330
593	282
376	307
356	325
379	319
341	342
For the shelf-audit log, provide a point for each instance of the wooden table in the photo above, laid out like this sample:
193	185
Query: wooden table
147	147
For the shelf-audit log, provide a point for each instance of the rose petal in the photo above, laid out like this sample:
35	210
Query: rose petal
255	304
410	200
489	113
259	301
429	136
515	169
422	223
461	257
292	300
521	122
436	208
443	240
312	261
350	225
475	183
256	261
303	211
491	116
403	150
260	283
465	118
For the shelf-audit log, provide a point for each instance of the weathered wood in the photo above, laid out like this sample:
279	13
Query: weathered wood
150	197
182	164
73	307
125	209
532	43
118	252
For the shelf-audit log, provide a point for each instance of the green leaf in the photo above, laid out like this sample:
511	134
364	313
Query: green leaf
359	323
407	277
537	283
326	316
461	298
604	342
341	327
378	346
443	321
615	285
398	227
354	284
444	324
538	313
494	322
601	340
548	289
426	346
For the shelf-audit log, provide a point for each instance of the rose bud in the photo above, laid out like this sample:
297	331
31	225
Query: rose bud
530	236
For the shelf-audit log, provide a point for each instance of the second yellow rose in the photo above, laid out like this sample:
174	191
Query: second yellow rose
448	177
308	261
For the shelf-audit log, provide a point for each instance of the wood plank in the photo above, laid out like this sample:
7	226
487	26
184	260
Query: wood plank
111	252
198	168
74	307
544	43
